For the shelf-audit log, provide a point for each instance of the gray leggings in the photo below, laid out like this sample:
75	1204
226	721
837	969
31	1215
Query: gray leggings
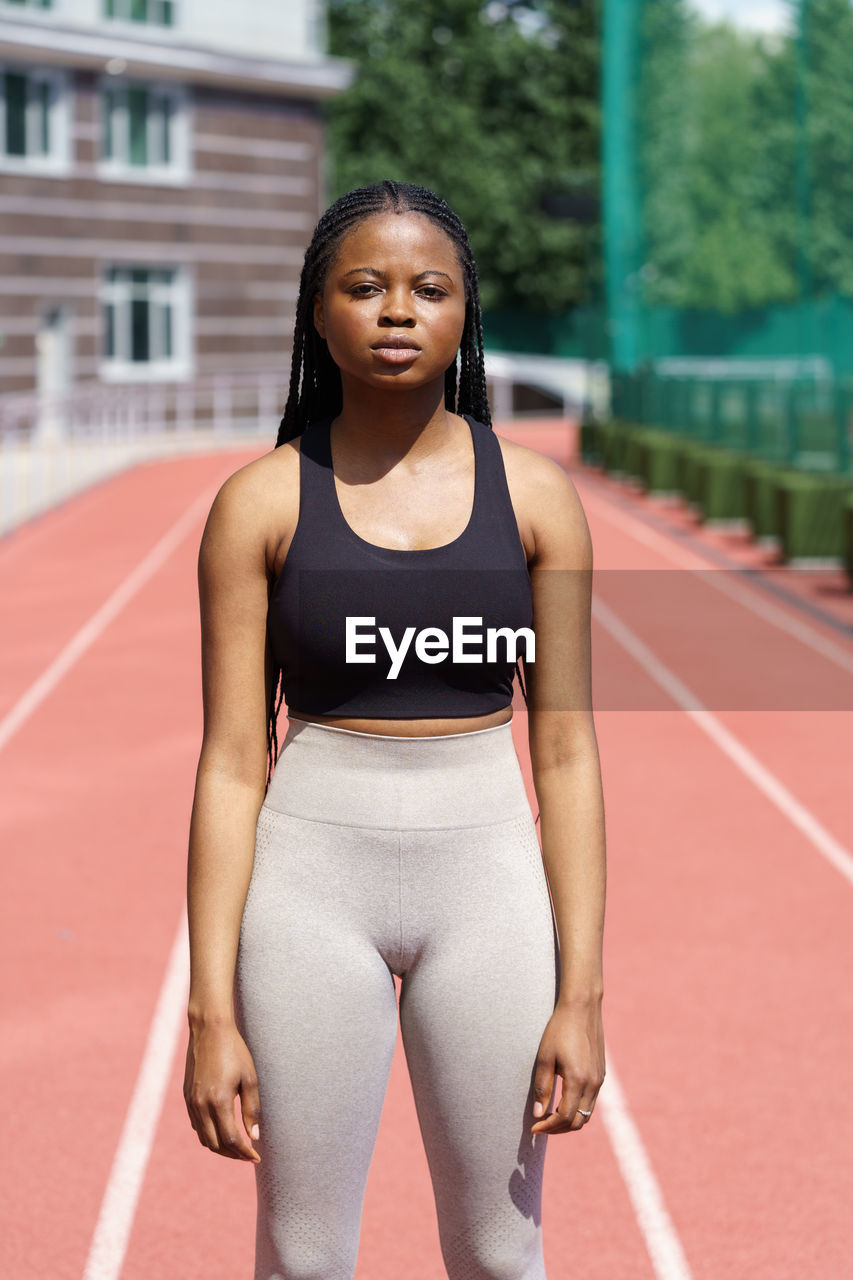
376	856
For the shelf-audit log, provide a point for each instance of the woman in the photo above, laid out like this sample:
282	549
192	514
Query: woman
392	560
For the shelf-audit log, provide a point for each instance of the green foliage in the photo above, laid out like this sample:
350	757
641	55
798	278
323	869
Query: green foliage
744	145
827	59
494	106
746	157
717	161
734	261
667	27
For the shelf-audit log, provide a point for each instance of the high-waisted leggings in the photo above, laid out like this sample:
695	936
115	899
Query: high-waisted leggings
374	856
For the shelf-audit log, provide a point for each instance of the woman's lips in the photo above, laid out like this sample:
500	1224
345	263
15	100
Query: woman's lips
396	355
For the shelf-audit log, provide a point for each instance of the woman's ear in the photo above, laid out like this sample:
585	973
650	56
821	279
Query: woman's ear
319	322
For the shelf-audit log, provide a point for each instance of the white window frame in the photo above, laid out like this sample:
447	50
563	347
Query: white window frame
58	159
179	292
125	21
29	7
118	168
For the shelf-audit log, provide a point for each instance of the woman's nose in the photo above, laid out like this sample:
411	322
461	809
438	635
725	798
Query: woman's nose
397	310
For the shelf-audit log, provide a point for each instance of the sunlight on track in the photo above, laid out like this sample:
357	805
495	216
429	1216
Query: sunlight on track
721	581
118	1207
662	1242
115	1220
100	620
125	1179
779	795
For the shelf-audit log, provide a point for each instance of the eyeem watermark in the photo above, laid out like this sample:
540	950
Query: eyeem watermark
433	645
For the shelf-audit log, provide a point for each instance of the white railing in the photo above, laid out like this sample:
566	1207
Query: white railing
54	445
223	403
51	446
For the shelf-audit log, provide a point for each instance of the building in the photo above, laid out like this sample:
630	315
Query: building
161	168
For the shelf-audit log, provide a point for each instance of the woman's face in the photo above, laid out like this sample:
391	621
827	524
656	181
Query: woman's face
392	310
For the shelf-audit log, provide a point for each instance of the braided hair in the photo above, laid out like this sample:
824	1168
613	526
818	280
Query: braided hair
315	382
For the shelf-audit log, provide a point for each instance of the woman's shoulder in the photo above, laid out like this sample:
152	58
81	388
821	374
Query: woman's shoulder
261	497
259	478
531	463
544	497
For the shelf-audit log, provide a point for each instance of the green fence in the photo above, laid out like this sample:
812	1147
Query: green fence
823	329
805	423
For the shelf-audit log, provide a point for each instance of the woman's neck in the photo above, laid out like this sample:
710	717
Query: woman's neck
385	422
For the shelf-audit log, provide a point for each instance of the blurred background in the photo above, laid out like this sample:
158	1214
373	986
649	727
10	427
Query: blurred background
658	193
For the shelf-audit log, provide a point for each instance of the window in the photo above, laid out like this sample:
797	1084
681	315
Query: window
33	118
143	131
145	323
159	12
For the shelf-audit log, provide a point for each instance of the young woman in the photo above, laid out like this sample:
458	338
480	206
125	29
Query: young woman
391	562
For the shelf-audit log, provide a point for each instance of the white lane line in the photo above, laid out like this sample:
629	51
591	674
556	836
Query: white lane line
723	580
665	1250
776	792
118	1207
41	688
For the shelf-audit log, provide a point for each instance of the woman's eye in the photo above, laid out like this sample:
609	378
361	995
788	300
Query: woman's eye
367	289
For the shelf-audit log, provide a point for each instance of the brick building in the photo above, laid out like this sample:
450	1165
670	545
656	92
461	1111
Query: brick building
161	167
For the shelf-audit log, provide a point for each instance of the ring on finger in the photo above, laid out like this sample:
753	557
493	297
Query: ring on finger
584	1113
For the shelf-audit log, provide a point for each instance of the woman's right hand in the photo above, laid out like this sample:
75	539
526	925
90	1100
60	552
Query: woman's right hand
220	1066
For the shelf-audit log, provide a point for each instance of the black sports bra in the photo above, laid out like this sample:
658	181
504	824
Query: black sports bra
378	632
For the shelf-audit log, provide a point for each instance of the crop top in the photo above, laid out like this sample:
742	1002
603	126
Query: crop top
361	630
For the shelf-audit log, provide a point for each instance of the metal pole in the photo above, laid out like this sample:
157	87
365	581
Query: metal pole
620	184
803	181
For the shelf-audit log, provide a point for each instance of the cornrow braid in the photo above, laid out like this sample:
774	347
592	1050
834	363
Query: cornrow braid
315	381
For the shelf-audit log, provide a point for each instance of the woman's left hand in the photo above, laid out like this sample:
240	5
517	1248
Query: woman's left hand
572	1046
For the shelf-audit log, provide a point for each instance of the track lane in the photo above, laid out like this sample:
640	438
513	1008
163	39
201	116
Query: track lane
698	945
95	869
725	1005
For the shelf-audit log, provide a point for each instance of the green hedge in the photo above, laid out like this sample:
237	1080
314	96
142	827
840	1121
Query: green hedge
590	443
661	465
721	485
613	437
810	513
760	480
847	519
691	457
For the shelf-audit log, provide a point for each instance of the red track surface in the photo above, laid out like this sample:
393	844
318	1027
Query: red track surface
728	944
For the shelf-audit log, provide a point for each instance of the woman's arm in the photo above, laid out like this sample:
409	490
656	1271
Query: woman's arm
229	791
567	779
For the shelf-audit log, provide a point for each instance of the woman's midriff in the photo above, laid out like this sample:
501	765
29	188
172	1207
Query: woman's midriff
409	728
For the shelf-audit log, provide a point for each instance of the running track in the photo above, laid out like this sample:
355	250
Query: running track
721	1144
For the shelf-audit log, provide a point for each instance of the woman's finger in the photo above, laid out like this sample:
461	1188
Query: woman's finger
232	1142
580	1119
251	1106
205	1127
587	1105
543	1085
566	1117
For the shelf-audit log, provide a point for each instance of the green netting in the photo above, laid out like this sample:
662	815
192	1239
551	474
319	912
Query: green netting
806	423
728	226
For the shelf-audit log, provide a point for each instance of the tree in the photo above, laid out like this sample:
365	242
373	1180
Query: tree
828	178
735	260
496	107
662	91
717	136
